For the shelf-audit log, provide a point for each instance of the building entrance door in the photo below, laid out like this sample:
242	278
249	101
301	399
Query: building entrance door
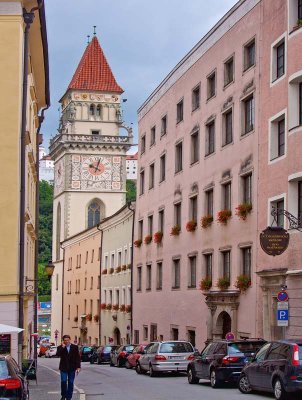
117	336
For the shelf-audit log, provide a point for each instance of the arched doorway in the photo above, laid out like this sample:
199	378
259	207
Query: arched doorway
117	336
224	324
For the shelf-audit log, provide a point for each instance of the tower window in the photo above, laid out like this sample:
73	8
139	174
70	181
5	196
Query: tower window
98	111
94	214
95	132
91	110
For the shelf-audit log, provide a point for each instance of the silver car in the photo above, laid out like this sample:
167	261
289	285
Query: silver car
168	356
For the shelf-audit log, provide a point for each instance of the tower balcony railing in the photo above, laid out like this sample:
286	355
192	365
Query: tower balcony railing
96	139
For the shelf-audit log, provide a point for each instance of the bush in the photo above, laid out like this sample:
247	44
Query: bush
148	239
243	282
223	216
206	221
175	231
223	283
205	284
191	226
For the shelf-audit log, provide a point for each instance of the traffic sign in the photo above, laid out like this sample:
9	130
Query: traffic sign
230	336
282	296
282	305
282	318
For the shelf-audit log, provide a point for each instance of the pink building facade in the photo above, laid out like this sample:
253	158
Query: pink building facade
280	163
200	133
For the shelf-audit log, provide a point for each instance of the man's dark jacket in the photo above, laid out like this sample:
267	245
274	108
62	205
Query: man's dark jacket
69	361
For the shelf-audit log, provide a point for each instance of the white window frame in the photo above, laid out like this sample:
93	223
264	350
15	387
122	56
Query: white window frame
274	199
273	67
273	131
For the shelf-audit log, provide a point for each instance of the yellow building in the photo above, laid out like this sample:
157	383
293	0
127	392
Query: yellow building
24	96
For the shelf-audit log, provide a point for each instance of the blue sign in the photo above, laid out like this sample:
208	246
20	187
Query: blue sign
282	315
45	305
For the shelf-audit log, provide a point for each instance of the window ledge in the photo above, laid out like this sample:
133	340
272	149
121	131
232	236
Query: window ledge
192	164
210	98
227	145
295	129
295	29
228	84
178	172
175	288
195	109
209	155
277	80
244	135
276	159
179	122
191	287
248	69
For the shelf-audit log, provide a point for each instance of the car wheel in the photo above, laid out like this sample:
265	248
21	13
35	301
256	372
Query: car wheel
139	369
244	385
215	383
127	365
152	373
191	377
279	391
119	363
111	363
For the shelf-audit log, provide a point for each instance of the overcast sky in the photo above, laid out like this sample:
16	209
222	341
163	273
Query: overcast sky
142	40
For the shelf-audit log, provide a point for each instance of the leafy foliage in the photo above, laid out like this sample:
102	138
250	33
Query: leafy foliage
131	190
44	285
45	222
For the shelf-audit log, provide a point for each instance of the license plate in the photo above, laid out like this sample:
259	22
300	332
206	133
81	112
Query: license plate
175	358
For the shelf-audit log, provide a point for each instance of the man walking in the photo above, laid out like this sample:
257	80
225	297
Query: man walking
70	364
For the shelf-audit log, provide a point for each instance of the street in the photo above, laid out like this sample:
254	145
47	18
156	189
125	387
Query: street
104	382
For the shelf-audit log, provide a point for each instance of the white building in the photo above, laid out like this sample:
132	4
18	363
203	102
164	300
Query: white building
131	166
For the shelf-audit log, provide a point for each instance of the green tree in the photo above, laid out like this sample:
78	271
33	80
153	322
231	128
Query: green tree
44	284
45	222
131	190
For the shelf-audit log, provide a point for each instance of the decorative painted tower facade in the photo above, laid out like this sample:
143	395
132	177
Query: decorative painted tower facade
89	156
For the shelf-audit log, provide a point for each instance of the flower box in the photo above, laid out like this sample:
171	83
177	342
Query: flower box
223	216
205	284
138	243
175	231
148	239
223	283
89	317
124	267
115	307
128	266
243	210
128	309
104	272
122	307
191	226
157	238
96	318
206	221
118	269
76	319
243	282
108	306
111	270
103	306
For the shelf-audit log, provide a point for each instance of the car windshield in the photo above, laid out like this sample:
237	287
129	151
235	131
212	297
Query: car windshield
176	347
3	369
129	348
244	347
86	349
107	349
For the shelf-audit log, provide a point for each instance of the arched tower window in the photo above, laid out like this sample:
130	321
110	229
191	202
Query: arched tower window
99	111
95	212
58	232
91	110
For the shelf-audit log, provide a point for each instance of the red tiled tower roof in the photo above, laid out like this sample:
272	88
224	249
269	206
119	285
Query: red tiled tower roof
94	72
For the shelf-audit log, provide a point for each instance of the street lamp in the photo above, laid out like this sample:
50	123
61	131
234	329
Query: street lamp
49	268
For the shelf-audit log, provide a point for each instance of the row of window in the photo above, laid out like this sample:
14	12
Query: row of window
78	285
226	204
122	258
117	296
174	335
225	269
248	124
85	309
88	259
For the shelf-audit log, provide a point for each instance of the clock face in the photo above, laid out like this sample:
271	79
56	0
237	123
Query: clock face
95	168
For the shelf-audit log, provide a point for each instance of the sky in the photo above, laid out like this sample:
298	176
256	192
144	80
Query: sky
142	40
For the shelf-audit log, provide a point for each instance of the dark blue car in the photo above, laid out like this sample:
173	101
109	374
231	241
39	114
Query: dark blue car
102	354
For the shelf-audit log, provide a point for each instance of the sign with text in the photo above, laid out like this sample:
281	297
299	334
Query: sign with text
282	313
274	240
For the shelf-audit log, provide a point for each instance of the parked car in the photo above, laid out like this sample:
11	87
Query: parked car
222	361
167	356
13	384
277	368
85	352
51	352
134	356
102	354
118	356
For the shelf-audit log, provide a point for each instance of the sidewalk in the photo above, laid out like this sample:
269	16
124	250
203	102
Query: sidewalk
48	386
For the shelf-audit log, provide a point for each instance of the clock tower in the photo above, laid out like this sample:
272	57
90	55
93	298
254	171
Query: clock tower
89	153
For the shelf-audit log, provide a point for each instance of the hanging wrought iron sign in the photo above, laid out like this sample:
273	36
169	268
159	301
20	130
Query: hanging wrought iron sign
274	240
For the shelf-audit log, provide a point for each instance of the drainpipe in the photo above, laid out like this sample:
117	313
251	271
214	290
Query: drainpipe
28	18
100	283
132	253
63	267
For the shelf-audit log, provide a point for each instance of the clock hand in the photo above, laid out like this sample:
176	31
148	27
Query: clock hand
97	167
